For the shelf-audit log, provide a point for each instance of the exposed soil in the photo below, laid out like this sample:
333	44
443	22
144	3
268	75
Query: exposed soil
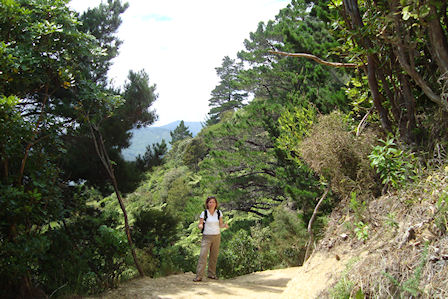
320	272
266	284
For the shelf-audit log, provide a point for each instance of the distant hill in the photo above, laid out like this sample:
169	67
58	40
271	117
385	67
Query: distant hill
143	137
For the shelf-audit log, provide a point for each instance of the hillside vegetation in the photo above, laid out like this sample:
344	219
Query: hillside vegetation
325	145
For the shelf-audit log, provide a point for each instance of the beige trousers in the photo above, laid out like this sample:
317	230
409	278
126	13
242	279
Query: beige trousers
210	243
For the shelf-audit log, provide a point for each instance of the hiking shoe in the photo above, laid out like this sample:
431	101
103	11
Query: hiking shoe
212	277
197	279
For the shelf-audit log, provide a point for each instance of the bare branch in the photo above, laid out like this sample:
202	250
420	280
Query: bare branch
310	223
317	59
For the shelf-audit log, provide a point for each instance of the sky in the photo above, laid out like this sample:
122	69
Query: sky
179	43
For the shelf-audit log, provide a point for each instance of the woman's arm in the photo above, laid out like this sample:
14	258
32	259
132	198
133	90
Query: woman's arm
201	223
222	224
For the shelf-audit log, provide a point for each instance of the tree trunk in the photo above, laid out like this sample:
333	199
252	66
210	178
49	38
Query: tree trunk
104	157
310	225
352	10
438	40
376	94
409	102
407	64
31	142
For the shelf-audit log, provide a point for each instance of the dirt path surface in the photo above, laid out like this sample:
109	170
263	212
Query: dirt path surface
319	273
266	284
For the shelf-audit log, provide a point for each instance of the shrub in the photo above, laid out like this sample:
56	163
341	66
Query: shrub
288	236
86	256
239	257
154	228
332	151
394	166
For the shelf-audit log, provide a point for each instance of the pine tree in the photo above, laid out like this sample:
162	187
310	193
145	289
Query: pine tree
227	95
180	133
154	156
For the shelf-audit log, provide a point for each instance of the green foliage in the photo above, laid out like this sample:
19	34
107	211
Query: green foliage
86	255
374	32
441	220
253	245
181	132
53	81
154	156
154	228
194	153
155	231
246	167
288	236
239	257
241	165
394	166
149	263
344	288
357	206
294	127
228	94
283	78
362	231
391	222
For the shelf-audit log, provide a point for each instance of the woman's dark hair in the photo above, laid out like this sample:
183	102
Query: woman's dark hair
210	198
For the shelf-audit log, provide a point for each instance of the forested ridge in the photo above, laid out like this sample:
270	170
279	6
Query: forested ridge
327	108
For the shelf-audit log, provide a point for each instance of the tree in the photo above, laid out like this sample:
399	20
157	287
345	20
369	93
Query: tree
180	133
245	167
401	45
227	95
246	162
53	93
43	51
287	79
153	156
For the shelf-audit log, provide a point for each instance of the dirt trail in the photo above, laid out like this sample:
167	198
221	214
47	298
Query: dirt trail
297	282
266	284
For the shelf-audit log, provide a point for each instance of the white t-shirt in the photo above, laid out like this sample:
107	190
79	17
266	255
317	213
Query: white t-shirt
211	225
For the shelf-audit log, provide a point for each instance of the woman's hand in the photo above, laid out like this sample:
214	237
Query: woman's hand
201	223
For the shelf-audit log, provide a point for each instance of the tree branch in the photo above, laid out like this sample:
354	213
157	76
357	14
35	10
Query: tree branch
104	157
35	132
310	224
317	59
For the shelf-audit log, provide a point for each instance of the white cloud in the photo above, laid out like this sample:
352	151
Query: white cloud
179	43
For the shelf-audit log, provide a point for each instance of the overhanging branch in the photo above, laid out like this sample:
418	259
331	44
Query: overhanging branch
317	59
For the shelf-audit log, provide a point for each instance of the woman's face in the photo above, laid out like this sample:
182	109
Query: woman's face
211	204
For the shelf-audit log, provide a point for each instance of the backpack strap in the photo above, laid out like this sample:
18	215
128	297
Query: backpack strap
205	219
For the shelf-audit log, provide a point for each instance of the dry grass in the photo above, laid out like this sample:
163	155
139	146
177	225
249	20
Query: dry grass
334	152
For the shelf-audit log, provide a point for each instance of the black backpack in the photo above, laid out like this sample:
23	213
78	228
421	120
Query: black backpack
205	218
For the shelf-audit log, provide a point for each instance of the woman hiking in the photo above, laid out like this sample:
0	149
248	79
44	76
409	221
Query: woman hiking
210	222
